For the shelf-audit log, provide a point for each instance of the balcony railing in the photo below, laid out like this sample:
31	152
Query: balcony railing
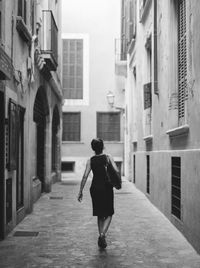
49	44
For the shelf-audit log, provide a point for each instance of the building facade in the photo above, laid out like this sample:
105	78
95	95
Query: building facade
31	99
162	146
88	76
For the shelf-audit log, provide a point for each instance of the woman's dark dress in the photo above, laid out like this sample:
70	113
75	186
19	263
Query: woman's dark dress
101	191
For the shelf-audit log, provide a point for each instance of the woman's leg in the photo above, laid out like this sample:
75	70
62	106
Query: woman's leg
100	221
106	224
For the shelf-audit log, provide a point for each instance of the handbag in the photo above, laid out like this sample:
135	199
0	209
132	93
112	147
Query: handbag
112	175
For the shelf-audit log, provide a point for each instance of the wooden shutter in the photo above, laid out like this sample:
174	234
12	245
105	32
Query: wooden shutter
182	59
176	187
71	126
147	96
13	129
108	126
73	68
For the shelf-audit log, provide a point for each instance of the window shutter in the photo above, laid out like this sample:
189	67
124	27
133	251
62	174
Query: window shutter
182	59
71	126
147	95
108	126
73	68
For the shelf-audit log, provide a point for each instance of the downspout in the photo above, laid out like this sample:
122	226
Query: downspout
155	75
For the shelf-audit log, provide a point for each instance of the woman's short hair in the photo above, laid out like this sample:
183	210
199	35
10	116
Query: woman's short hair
97	145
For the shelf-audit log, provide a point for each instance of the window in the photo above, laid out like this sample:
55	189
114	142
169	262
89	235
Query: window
68	166
71	126
182	60
108	126
73	68
148	173
134	168
13	128
176	187
22	9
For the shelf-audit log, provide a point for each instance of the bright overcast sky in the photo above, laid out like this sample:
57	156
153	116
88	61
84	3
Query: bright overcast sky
77	12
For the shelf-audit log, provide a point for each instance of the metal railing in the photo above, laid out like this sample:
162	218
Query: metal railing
49	43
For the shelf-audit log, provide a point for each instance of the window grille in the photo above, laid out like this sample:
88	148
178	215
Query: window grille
108	126
148	173
9	199
71	126
73	68
182	60
176	187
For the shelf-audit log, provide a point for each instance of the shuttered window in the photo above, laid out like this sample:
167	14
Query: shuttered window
108	126
182	60
147	96
176	187
71	126
73	68
13	131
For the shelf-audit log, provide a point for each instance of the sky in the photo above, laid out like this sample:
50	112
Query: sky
93	13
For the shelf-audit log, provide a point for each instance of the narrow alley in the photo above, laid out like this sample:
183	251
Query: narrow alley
63	233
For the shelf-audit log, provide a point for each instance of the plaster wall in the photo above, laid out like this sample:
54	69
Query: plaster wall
99	21
165	117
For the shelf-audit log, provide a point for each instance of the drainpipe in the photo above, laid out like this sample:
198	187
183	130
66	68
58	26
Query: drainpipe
155	75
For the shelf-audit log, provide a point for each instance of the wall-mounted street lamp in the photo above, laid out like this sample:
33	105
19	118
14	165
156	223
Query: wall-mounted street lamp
111	100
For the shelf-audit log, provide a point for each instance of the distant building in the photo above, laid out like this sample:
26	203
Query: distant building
88	62
161	43
30	105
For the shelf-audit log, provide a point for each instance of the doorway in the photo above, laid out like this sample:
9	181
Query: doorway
2	165
40	113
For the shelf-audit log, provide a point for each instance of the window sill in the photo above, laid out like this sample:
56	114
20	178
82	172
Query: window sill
110	142
182	130
72	142
148	138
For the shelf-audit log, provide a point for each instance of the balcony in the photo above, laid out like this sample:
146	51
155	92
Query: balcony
121	48
49	42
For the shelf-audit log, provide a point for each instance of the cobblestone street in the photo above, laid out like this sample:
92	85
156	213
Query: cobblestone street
139	235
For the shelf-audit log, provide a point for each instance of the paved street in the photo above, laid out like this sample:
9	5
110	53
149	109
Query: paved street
140	236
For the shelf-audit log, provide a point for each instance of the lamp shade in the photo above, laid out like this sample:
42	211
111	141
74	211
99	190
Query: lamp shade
110	98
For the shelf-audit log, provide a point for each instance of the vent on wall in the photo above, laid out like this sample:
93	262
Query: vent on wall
68	166
176	187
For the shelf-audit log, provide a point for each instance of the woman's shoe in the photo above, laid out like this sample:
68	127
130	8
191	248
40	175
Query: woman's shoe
102	241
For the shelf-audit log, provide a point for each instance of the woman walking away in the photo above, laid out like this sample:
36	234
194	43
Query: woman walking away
101	190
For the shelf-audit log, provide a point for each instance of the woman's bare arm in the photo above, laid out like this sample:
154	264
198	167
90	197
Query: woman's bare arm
84	179
113	163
